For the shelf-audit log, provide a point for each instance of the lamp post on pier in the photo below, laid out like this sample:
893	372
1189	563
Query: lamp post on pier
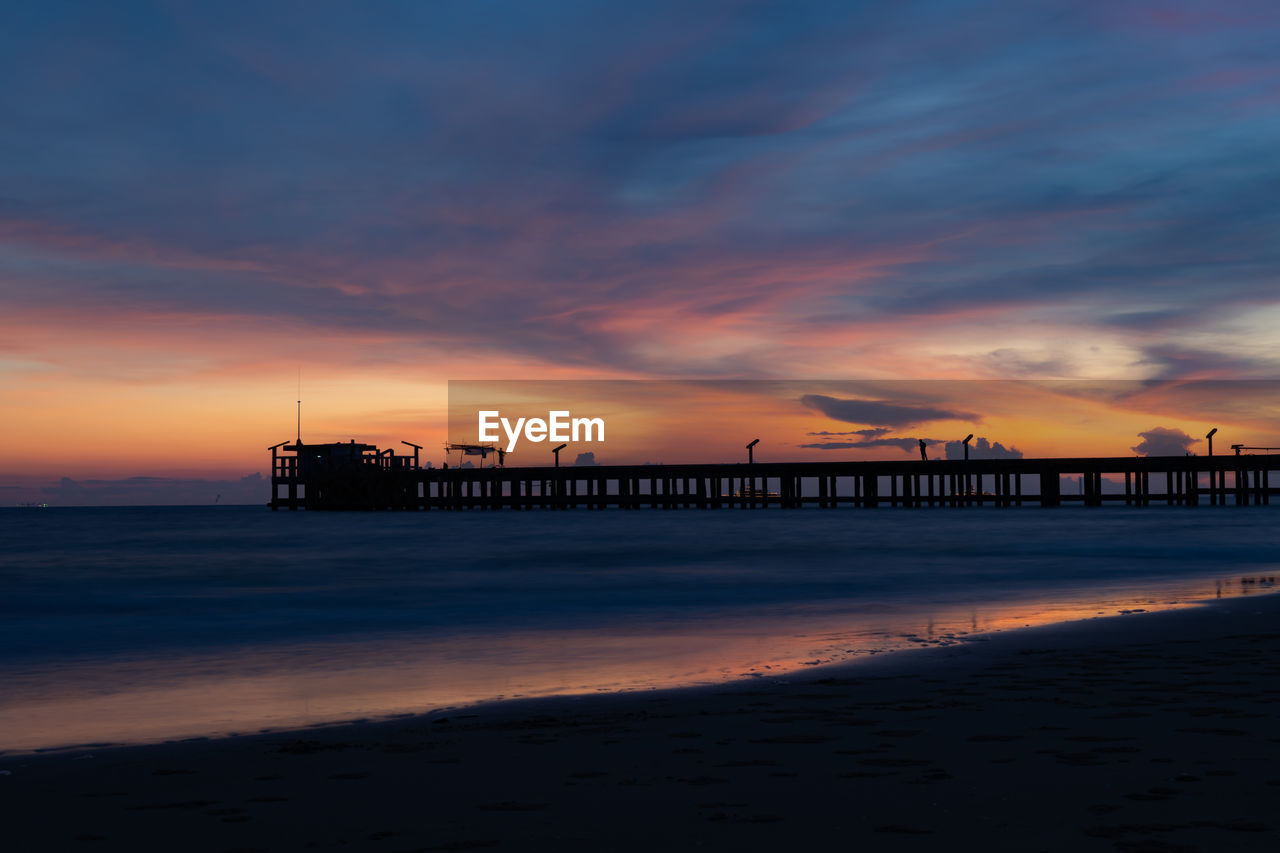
556	452
751	454
968	438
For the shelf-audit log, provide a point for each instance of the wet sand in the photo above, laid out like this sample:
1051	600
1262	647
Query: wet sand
1144	732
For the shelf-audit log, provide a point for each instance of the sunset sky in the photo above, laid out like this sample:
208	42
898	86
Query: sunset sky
198	202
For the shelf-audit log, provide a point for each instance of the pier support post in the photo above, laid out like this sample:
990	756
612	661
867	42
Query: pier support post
1050	488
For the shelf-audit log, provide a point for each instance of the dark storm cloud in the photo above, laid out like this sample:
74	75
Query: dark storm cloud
880	412
864	433
909	445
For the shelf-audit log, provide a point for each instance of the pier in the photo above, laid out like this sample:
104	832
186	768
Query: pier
355	476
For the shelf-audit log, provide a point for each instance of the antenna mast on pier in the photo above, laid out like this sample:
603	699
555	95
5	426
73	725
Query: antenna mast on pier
299	439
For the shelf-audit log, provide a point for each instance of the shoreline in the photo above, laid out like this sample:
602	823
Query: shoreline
1148	731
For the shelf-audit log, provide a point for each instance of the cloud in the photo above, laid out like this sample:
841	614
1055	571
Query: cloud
1163	441
1228	362
883	413
1012	363
155	491
865	433
982	448
588	458
909	445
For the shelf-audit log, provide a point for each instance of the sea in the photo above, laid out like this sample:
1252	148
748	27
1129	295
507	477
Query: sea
147	624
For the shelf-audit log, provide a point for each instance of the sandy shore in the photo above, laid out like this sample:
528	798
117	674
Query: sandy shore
1145	732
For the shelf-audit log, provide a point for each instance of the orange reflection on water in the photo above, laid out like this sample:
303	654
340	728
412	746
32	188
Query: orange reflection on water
250	690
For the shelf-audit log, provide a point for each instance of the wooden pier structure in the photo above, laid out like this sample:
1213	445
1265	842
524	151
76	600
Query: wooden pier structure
361	477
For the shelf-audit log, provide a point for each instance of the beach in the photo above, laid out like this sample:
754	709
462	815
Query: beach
1139	732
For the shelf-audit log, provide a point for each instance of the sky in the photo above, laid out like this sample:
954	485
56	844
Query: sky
203	204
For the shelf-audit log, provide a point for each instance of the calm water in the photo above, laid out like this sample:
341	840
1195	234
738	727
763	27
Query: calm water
129	625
